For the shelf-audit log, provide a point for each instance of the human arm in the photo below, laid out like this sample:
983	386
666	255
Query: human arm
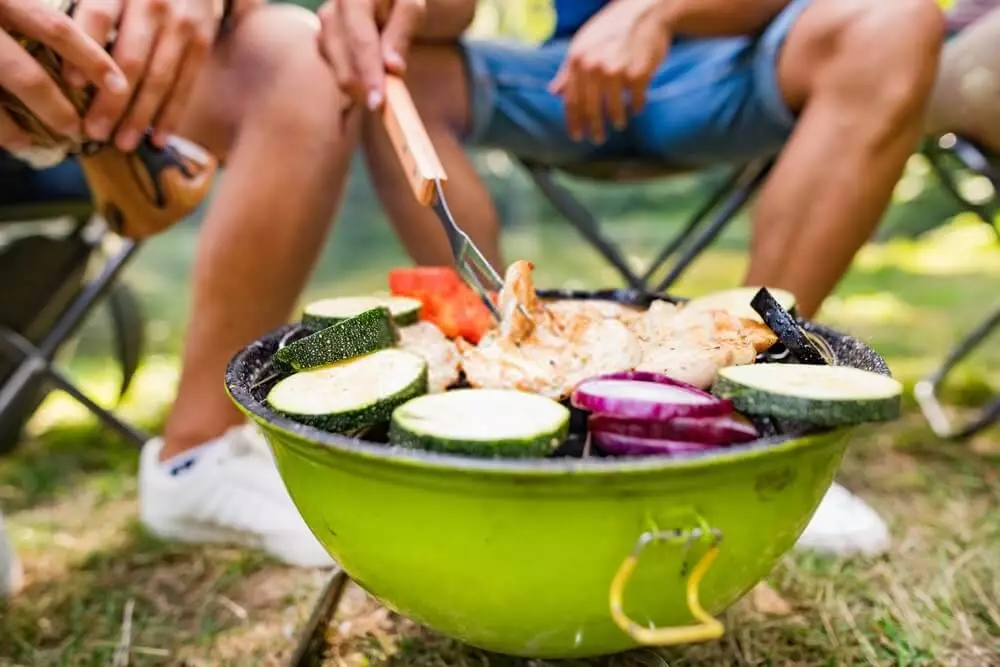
24	78
364	39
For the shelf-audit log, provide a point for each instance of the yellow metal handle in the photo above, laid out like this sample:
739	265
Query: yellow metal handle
707	628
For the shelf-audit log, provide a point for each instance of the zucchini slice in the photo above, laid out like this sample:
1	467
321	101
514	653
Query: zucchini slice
327	312
811	394
351	395
485	423
369	332
737	301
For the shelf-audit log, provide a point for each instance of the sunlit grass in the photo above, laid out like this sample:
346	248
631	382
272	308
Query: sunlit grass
962	248
151	393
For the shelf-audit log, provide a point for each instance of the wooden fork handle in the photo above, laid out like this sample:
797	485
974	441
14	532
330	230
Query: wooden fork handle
410	140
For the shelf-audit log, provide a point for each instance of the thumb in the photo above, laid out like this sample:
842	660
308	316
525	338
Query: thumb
404	21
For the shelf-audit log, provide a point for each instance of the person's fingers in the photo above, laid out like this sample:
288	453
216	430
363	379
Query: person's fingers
152	93
615	102
402	25
97	18
637	85
134	45
365	49
558	83
169	118
24	78
592	109
64	36
573	102
334	49
12	137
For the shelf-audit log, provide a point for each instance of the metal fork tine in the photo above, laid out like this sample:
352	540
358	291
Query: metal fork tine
476	259
472	254
471	277
470	261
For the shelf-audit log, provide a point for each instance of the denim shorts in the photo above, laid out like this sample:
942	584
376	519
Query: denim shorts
714	100
21	185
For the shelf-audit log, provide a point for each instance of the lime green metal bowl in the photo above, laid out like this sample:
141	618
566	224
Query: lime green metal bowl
552	558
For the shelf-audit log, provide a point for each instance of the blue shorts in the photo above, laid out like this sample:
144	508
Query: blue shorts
713	101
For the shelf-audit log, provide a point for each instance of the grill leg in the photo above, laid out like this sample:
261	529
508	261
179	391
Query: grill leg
310	642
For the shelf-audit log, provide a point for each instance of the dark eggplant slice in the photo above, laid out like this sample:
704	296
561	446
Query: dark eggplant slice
786	328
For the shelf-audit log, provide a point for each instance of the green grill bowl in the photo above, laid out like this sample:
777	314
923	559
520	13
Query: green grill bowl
559	557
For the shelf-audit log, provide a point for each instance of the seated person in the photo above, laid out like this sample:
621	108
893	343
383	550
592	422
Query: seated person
966	98
237	90
692	83
211	477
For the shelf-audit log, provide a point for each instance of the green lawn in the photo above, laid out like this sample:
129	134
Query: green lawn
69	496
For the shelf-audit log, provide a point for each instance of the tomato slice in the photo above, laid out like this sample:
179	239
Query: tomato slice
475	325
474	318
414	281
447	317
447	300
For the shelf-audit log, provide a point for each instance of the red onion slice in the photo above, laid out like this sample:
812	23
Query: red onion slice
646	396
708	430
627	445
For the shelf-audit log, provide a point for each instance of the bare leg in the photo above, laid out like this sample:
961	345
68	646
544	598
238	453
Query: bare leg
440	91
859	124
966	97
258	244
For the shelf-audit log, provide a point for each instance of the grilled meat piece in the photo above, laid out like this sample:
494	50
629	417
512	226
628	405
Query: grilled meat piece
441	354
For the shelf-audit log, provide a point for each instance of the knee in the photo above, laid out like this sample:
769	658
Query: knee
435	76
272	63
883	54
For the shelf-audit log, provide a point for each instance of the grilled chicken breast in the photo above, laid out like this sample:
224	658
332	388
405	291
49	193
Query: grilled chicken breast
549	347
442	356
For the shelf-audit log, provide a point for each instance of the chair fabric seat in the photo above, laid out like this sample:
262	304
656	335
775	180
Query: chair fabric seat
27	194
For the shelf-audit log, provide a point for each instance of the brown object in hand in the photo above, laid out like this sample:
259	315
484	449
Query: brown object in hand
139	193
145	192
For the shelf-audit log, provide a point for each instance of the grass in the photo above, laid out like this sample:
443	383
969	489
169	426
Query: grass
69	496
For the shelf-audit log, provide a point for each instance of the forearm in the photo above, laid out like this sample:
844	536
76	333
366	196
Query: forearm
716	18
447	19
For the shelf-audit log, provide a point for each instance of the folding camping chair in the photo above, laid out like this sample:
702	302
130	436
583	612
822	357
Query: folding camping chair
50	242
708	221
949	156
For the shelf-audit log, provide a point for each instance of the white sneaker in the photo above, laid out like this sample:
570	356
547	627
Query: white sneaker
11	574
227	491
844	525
